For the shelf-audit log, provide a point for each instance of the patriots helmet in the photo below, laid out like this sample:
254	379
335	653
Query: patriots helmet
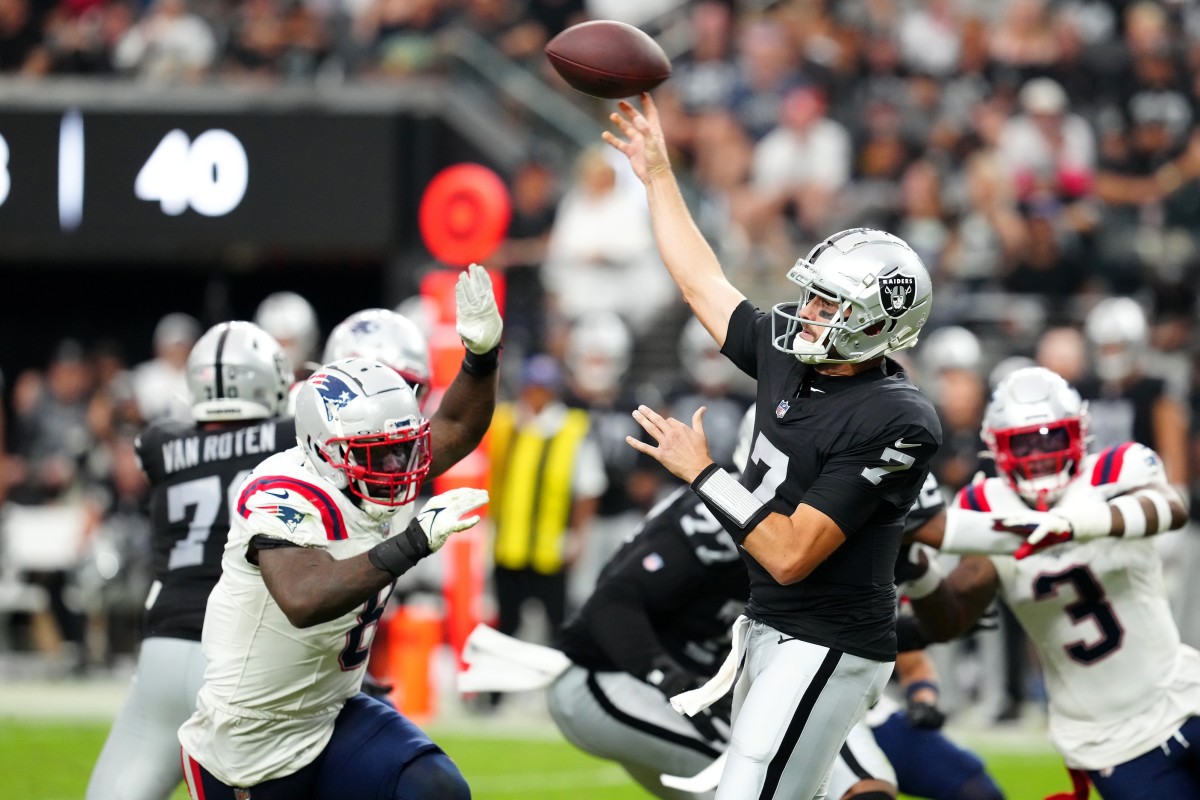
384	336
359	424
883	294
237	371
1035	428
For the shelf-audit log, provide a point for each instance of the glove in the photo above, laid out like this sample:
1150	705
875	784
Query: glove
428	532
479	324
441	515
923	713
917	571
1080	522
925	716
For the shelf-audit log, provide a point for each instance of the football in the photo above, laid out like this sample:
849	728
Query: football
608	59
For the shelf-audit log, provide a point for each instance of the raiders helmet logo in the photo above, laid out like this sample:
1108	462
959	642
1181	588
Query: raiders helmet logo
896	293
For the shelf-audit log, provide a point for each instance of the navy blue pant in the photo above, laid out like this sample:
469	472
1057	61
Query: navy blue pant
929	765
1172	770
375	754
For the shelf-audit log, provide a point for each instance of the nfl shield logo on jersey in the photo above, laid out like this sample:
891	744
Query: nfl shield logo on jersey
896	293
782	408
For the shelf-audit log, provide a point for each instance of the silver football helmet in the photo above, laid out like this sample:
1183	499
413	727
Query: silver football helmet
1116	328
1035	427
882	290
292	321
951	347
384	336
237	371
704	362
360	427
598	352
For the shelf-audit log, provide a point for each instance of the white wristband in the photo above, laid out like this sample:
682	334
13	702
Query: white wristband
925	585
736	507
1134	516
973	532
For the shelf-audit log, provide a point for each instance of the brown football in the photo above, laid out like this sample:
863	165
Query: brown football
608	59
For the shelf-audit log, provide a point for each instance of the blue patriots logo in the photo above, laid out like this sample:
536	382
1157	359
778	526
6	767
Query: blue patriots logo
290	517
364	326
333	391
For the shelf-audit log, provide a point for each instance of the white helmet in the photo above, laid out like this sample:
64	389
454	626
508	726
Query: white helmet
708	368
882	289
237	371
384	336
292	321
1035	427
1116	327
598	351
359	424
951	347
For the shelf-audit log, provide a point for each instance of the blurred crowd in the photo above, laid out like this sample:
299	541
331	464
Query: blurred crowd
1042	156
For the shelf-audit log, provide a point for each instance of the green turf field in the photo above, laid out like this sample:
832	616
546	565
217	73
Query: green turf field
51	761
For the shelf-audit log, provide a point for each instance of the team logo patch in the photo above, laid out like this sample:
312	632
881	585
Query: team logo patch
782	408
333	391
896	293
290	517
653	562
364	326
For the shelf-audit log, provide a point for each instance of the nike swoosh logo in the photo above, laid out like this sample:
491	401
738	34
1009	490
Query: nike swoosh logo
815	389
903	445
783	639
282	495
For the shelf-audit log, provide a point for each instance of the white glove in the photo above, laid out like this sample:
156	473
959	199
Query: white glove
479	323
440	516
1078	522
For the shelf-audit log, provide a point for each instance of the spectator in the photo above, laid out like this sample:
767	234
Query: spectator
160	384
170	43
600	245
704	76
1048	150
804	161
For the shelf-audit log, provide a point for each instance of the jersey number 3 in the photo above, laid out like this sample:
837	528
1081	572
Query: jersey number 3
1091	603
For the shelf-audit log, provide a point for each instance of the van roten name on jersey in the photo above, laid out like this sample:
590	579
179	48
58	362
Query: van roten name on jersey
179	454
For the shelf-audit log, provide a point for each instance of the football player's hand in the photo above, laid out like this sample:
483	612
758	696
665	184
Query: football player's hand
681	449
443	514
924	715
1049	529
917	571
479	323
644	144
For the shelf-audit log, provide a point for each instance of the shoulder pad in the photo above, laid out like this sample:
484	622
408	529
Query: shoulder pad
1131	464
301	508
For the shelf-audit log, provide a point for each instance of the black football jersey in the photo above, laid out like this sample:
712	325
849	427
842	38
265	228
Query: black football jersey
856	448
193	475
674	587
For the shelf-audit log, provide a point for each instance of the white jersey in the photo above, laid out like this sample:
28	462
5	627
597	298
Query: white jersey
272	691
1118	679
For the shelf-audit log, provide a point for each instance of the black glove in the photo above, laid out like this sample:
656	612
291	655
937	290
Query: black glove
924	715
911	563
669	677
910	635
